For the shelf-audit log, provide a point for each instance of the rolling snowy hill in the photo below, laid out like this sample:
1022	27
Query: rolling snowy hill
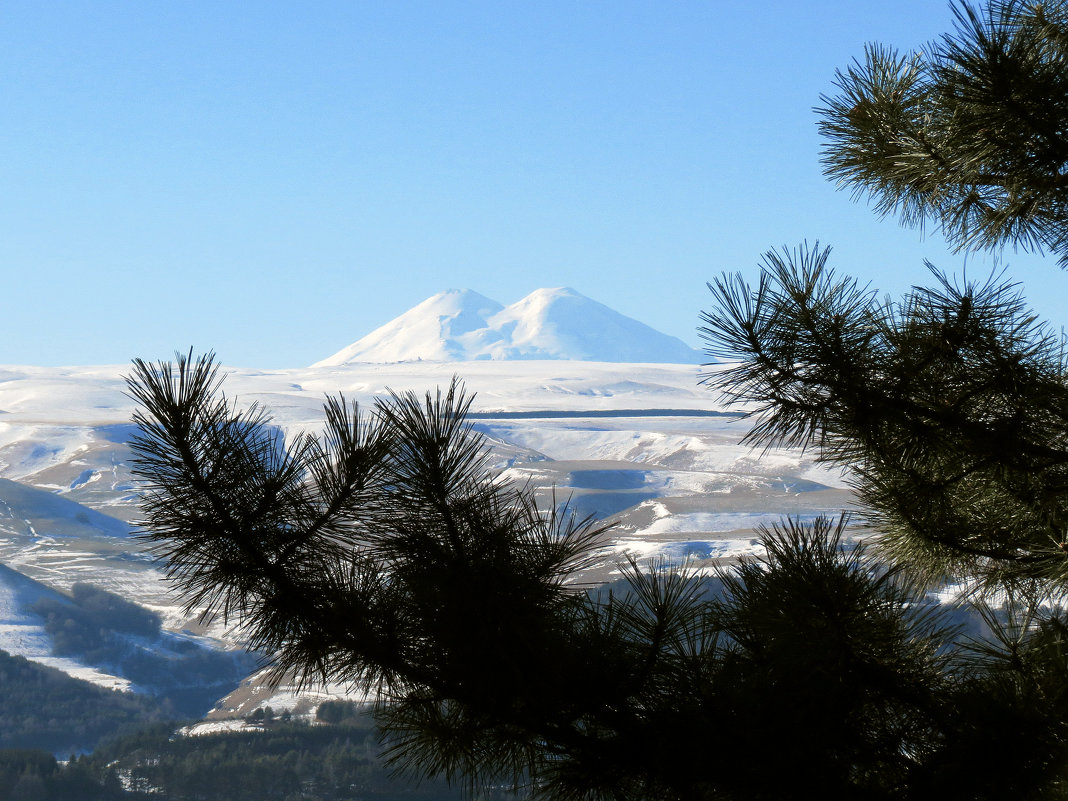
642	444
462	325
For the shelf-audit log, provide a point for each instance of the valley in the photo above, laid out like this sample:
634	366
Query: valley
642	445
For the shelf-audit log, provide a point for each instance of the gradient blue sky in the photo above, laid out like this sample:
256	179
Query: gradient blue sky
275	180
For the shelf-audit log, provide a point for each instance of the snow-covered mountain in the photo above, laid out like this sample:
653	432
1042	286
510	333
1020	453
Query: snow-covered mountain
462	325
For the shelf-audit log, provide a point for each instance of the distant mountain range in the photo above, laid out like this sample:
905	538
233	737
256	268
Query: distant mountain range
462	325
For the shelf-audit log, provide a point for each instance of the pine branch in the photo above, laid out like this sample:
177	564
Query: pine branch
968	133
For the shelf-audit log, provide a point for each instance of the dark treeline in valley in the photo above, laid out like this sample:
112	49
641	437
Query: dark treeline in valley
340	761
107	631
84	625
44	708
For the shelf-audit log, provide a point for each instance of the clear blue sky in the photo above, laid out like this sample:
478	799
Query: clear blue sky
275	180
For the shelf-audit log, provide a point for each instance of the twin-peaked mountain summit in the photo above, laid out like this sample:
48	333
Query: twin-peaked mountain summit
462	325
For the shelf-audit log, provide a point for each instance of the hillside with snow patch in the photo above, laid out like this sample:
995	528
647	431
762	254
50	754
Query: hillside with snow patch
642	444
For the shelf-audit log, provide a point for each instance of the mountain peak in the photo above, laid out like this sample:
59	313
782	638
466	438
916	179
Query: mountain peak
555	292
549	323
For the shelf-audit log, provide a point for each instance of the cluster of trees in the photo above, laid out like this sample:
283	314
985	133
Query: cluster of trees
85	625
339	712
108	610
120	636
284	761
383	553
32	775
287	761
266	714
41	707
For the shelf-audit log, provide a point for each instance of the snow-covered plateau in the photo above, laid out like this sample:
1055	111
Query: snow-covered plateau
589	406
641	444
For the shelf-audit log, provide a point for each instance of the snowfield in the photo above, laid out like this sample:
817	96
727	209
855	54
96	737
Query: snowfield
22	632
462	325
643	445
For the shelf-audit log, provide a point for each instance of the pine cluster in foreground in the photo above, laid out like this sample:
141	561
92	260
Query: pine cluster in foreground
386	554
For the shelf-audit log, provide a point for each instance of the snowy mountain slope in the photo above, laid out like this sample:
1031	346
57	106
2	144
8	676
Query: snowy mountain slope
22	632
461	325
53	513
59	542
49	544
675	479
64	429
432	331
55	412
106	640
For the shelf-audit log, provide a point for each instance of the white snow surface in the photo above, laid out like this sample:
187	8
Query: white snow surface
283	694
630	443
54	407
218	727
23	633
560	323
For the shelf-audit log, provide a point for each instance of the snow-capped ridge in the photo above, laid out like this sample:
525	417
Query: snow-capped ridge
429	331
549	323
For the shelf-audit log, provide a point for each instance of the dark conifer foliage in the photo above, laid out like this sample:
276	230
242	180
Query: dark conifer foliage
42	707
949	408
386	554
968	133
